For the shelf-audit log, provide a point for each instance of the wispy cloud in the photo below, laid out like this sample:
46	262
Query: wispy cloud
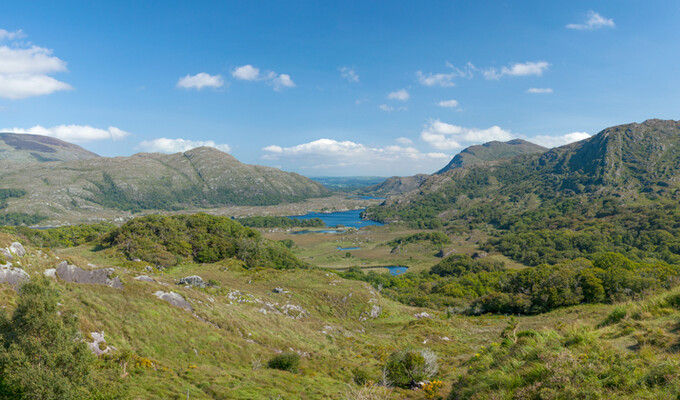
7	35
445	79
346	156
200	81
539	90
444	136
401	94
74	133
249	73
448	103
518	69
593	21
349	74
25	70
165	145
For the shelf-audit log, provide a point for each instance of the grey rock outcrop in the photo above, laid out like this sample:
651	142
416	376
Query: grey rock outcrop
13	276
95	346
193	280
144	278
7	254
72	273
50	273
18	249
175	299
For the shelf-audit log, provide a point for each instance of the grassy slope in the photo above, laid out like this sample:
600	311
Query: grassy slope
237	335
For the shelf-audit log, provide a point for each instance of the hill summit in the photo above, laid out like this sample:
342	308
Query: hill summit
38	148
492	151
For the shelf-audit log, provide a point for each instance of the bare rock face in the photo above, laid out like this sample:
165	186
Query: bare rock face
98	345
175	299
193	280
422	315
13	276
18	249
72	273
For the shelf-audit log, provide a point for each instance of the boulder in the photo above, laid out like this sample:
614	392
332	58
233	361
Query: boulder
13	276
375	311
7	254
144	278
422	315
279	290
175	299
50	273
18	249
72	273
193	280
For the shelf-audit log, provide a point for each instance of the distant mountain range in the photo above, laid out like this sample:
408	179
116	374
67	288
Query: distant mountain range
80	180
627	165
487	152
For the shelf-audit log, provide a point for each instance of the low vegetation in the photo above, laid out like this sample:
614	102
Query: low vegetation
281	222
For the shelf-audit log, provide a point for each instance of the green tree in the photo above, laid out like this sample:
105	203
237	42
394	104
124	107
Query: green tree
41	354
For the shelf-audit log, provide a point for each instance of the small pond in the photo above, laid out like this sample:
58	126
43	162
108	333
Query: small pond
396	270
348	248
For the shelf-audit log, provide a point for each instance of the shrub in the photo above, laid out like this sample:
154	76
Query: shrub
615	316
361	377
285	362
407	367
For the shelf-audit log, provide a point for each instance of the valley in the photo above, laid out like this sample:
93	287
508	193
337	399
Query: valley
534	276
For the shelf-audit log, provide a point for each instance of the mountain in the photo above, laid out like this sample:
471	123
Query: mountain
201	177
397	185
616	191
492	151
38	148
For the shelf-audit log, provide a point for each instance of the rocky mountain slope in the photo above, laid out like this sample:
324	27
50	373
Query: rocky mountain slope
492	151
201	177
487	152
39	148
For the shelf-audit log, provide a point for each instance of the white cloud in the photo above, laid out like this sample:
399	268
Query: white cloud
539	90
448	103
282	81
443	136
249	73
404	140
343	157
430	79
74	133
7	35
200	81
593	21
555	141
385	107
401	94
24	71
349	74
165	145
518	69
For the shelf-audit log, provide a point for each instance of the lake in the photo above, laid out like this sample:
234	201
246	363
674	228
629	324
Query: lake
396	270
350	218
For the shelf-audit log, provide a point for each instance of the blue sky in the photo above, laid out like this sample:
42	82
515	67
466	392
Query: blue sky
334	88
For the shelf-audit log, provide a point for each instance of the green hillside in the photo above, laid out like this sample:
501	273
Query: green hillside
199	178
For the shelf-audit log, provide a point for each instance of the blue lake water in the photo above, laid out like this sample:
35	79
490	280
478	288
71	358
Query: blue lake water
348	248
397	270
350	218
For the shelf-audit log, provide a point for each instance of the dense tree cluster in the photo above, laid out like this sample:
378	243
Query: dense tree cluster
280	222
203	238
